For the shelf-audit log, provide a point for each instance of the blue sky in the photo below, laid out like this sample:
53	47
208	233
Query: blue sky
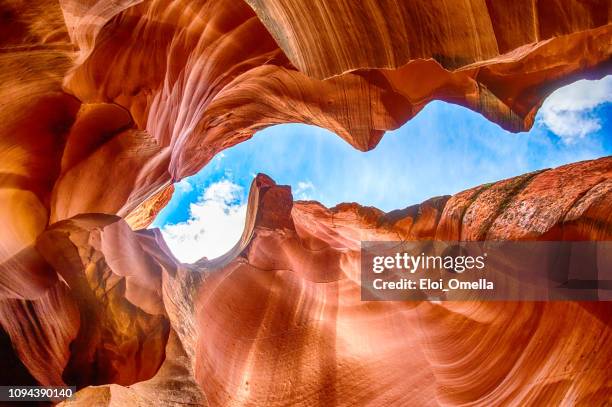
443	150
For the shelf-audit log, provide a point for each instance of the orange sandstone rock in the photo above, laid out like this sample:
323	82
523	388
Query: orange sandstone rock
280	319
104	104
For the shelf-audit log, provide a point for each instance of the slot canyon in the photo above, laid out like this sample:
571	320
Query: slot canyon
105	104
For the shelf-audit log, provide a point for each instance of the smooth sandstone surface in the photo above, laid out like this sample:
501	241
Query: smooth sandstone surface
104	104
279	320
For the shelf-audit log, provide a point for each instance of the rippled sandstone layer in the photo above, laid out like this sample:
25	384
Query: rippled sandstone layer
279	320
104	104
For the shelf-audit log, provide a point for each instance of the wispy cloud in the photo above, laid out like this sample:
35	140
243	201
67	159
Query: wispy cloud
215	224
304	190
183	186
569	112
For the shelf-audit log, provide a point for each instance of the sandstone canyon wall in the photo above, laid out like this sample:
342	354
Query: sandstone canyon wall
104	104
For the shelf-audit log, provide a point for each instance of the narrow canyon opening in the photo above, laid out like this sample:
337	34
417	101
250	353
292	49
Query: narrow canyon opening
445	149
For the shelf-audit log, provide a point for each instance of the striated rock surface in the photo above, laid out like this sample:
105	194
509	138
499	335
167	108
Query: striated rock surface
158	87
104	104
279	320
380	34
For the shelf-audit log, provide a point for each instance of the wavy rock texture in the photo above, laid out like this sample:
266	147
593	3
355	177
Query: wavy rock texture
103	104
279	320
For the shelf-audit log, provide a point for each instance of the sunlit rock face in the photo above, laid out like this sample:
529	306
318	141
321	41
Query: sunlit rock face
279	320
105	103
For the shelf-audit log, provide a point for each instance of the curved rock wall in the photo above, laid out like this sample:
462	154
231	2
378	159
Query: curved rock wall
280	321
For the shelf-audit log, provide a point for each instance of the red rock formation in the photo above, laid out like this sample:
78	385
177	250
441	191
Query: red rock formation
104	104
280	320
198	79
115	285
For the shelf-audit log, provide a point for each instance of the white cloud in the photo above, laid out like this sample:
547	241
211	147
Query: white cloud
303	190
215	224
183	186
569	112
